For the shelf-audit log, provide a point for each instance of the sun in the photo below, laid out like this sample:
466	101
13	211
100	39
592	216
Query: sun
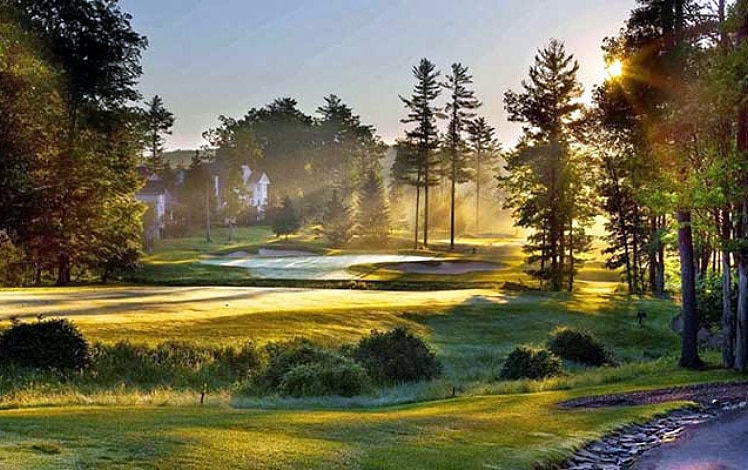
614	69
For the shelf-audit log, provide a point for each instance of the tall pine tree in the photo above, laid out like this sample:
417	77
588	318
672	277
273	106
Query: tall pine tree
460	111
424	137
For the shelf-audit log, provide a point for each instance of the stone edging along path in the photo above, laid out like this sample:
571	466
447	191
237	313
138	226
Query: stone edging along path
621	448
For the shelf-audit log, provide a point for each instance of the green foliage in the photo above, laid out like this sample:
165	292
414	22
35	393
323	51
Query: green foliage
156	122
12	263
50	345
531	363
709	299
337	222
286	219
396	356
574	345
335	375
546	181
173	363
84	219
284	356
373	216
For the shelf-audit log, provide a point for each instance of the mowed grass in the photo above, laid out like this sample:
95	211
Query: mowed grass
497	432
490	424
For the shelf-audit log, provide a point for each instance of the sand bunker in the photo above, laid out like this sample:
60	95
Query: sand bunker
444	267
270	253
272	266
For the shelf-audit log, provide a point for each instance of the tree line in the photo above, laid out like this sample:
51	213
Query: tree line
660	151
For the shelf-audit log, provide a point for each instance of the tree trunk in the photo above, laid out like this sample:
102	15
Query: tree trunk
426	202
741	330
477	194
689	356
207	213
418	210
728	320
452	201
571	256
63	269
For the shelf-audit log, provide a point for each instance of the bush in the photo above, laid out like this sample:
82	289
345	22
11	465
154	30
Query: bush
174	363
49	345
574	345
342	377
396	356
530	363
709	299
284	356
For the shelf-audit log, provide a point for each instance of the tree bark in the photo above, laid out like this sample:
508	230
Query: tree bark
426	201
477	192
728	320
452	202
689	356
418	210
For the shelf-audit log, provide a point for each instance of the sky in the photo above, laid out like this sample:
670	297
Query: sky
222	57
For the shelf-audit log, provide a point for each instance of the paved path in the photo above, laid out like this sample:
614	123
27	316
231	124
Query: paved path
717	445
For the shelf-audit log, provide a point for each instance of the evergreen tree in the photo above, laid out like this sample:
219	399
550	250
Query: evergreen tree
346	147
157	122
459	110
337	223
424	136
286	220
542	176
372	217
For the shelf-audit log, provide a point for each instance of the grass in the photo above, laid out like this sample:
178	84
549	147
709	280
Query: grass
499	431
489	424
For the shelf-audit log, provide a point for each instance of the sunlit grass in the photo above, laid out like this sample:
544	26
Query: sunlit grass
501	431
490	423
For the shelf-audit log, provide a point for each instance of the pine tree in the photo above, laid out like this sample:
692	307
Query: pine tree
157	123
541	170
286	220
483	156
424	136
459	110
372	217
337	222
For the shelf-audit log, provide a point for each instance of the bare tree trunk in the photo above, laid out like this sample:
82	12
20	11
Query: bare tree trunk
452	202
741	330
477	193
418	210
571	256
426	202
207	213
689	356
728	320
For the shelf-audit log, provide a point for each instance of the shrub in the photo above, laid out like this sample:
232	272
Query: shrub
396	356
530	363
342	377
709	299
173	363
50	345
574	345
284	356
